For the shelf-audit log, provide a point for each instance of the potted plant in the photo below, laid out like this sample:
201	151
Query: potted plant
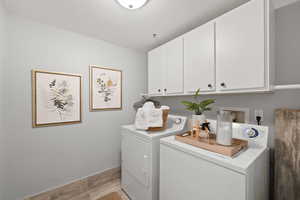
198	107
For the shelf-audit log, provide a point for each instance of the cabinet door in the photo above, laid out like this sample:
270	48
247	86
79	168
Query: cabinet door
240	48
156	66
174	67
199	59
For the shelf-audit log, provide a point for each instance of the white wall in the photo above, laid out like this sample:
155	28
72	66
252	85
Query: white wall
42	158
2	132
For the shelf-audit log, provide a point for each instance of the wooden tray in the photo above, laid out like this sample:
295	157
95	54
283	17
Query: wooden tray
210	144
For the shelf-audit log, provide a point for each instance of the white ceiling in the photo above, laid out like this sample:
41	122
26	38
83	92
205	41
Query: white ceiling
106	20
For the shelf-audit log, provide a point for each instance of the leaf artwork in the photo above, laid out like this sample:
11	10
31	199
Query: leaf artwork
106	87
60	99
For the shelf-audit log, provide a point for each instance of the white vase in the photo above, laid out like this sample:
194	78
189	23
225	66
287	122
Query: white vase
198	119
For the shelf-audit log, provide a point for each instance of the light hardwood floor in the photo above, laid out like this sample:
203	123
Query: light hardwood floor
89	188
97	193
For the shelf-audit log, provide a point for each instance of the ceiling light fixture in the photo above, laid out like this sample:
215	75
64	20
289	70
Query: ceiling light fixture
132	4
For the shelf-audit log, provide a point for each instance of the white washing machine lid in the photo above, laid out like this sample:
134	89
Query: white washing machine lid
172	129
240	163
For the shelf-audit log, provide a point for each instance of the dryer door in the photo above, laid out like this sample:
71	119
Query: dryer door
136	158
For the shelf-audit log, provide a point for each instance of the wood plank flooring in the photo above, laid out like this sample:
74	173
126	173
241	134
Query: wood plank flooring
97	193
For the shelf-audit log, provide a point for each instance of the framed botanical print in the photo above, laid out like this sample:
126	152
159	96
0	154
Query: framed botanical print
56	98
105	88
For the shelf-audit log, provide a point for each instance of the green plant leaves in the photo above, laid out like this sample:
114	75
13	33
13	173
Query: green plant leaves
203	104
187	103
190	105
200	107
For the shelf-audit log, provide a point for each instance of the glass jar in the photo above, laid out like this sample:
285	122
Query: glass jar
224	128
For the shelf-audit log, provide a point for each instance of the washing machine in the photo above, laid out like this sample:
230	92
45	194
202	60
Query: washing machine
141	156
188	172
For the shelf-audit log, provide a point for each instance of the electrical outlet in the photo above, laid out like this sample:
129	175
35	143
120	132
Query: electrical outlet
259	113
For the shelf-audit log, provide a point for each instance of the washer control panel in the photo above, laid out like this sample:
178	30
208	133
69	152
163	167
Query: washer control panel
177	122
252	133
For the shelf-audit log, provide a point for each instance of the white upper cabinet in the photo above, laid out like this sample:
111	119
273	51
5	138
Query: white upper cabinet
231	54
240	47
199	59
174	67
156	65
165	68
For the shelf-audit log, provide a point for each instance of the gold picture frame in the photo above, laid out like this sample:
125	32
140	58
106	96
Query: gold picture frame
99	99
39	107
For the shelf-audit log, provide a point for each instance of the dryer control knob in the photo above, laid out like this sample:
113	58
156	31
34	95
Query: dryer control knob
178	121
251	133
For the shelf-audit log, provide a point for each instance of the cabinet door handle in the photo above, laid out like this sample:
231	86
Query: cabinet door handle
165	89
223	84
158	90
210	85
